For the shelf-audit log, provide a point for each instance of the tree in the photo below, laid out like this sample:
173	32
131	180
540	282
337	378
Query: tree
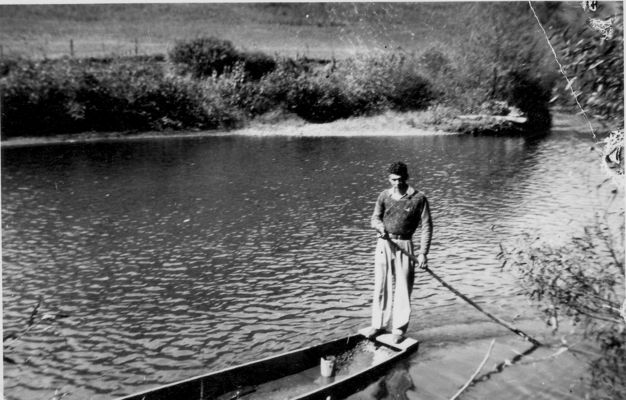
584	279
592	58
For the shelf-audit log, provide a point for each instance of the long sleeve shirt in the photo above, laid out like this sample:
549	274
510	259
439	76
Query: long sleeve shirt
404	216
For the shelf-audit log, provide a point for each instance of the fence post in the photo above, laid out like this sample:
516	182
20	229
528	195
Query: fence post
136	47
72	48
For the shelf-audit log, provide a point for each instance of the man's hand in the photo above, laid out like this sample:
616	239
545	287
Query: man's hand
383	234
421	260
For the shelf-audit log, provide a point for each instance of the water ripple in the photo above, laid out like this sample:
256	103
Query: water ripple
174	260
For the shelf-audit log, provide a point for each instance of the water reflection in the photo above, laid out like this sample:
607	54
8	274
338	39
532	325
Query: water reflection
177	256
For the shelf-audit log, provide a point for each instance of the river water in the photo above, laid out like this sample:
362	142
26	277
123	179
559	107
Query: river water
173	257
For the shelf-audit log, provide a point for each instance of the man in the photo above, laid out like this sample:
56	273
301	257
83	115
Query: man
398	213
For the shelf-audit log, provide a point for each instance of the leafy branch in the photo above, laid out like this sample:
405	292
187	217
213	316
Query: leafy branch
582	280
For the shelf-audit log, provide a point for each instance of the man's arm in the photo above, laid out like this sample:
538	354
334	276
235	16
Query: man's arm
377	216
427	229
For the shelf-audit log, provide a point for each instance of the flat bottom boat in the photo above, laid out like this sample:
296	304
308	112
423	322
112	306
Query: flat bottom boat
358	361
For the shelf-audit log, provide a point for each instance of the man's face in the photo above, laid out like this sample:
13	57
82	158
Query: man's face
397	181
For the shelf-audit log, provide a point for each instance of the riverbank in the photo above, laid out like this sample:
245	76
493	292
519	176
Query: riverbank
390	123
387	124
209	84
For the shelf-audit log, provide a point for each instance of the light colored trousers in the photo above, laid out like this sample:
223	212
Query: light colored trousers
392	305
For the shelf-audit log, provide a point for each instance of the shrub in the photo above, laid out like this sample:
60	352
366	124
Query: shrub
582	282
35	100
234	92
257	84
274	88
318	99
68	96
127	96
366	82
7	64
434	61
315	98
256	65
410	92
218	110
203	57
389	81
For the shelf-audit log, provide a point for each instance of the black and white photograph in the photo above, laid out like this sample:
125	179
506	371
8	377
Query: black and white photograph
312	200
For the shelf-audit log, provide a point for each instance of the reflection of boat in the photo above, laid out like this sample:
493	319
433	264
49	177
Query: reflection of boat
294	375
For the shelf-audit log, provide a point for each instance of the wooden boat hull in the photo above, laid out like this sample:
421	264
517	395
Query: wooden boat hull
293	375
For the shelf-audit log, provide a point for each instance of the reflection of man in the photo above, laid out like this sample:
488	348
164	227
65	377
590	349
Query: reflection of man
399	211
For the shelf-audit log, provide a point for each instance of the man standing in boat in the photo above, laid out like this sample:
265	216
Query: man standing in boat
399	212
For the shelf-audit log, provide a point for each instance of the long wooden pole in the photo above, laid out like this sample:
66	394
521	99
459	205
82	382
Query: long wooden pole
464	297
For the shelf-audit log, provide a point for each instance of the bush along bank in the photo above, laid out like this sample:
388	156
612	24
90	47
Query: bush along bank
69	96
208	84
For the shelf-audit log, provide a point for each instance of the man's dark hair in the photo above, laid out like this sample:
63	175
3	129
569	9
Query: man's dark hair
399	168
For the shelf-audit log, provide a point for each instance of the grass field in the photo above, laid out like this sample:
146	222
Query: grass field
321	30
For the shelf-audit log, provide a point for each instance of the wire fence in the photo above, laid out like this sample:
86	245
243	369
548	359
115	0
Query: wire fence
79	48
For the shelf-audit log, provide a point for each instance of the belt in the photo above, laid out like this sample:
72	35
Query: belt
400	237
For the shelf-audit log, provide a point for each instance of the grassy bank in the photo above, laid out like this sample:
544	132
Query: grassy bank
41	98
209	84
206	83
